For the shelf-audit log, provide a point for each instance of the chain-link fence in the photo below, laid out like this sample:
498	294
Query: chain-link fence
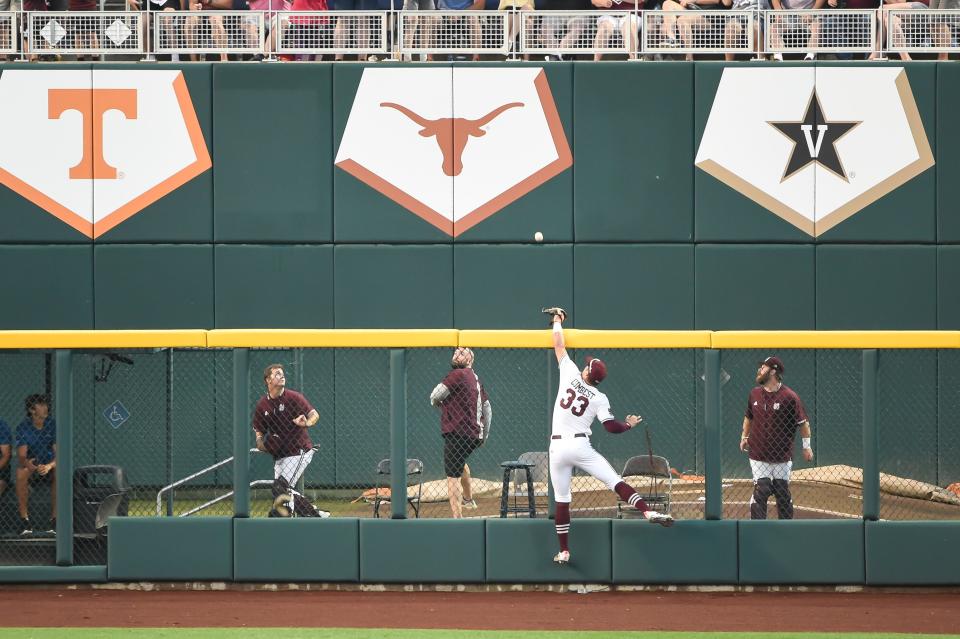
815	394
912	485
27	481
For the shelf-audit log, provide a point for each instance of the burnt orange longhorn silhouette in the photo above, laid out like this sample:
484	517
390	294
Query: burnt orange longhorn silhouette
451	133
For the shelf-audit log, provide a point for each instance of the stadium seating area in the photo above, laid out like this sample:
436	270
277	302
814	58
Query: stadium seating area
245	30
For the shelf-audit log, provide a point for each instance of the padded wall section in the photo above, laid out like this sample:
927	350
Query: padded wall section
153	287
862	287
185	213
421	550
948	155
634	286
948	274
414	282
906	213
498	287
694	552
47	287
273	286
273	156
153	548
52	574
912	553
801	552
723	214
733	290
23	220
633	155
311	549
361	212
521	551
548	207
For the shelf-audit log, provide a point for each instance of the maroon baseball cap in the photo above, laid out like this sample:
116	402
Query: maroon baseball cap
597	370
774	363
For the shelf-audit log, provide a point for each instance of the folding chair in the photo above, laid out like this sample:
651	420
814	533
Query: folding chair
656	470
414	476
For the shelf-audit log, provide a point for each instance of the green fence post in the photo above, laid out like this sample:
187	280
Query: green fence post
871	444
241	432
398	434
63	408
711	436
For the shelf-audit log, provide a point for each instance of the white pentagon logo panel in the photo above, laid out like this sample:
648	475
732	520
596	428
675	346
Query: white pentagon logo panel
814	145
454	145
95	147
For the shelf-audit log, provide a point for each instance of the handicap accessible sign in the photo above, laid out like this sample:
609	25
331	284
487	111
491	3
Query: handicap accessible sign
116	414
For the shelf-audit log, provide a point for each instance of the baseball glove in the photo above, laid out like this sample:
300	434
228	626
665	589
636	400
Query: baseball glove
554	310
281	506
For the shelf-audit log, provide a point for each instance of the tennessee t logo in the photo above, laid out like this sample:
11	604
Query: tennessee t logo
92	105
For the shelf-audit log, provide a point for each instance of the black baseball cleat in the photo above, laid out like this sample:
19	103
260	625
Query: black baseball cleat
25	527
659	518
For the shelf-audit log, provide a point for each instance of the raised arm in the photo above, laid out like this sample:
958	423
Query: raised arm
559	348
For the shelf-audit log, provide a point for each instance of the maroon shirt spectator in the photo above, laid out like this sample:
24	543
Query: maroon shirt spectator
462	411
273	417
775	417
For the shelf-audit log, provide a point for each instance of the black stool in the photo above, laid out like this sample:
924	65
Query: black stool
505	507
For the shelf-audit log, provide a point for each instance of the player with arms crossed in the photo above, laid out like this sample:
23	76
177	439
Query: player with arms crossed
578	402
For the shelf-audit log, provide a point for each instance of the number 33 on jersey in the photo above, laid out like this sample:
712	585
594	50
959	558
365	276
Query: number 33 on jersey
578	403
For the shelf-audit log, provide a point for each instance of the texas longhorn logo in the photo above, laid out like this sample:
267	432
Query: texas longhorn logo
95	147
454	146
814	145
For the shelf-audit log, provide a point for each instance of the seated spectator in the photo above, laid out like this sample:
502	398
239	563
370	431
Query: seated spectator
270	9
6	34
412	24
166	24
472	23
84	28
194	25
733	32
358	27
843	31
896	26
5	442
686	23
565	32
793	24
36	458
513	20
628	26
941	29
38	42
306	31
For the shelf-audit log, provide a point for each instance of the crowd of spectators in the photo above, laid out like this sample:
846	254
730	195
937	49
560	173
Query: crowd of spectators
680	24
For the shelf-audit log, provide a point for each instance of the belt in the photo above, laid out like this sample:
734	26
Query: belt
561	436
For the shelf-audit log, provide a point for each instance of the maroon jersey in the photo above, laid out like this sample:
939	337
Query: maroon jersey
462	411
774	418
274	418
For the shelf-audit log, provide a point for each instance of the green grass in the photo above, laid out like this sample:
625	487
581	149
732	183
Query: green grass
382	633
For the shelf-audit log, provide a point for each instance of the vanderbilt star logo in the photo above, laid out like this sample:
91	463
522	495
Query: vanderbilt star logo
814	140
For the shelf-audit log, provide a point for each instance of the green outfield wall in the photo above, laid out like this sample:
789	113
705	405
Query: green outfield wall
651	219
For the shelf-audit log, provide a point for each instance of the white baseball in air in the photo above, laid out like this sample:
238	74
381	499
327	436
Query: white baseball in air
538	236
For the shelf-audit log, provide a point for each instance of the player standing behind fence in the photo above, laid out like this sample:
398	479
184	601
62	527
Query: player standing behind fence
578	402
465	424
280	422
774	412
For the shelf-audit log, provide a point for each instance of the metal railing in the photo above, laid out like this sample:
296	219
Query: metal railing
512	34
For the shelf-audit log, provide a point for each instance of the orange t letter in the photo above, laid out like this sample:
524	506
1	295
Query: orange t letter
92	104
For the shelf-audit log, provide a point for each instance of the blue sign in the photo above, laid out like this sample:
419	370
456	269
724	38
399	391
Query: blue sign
116	414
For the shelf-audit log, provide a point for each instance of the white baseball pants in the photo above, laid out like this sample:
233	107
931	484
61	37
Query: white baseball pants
290	468
576	452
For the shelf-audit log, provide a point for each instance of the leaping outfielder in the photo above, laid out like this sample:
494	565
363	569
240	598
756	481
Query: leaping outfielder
578	402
